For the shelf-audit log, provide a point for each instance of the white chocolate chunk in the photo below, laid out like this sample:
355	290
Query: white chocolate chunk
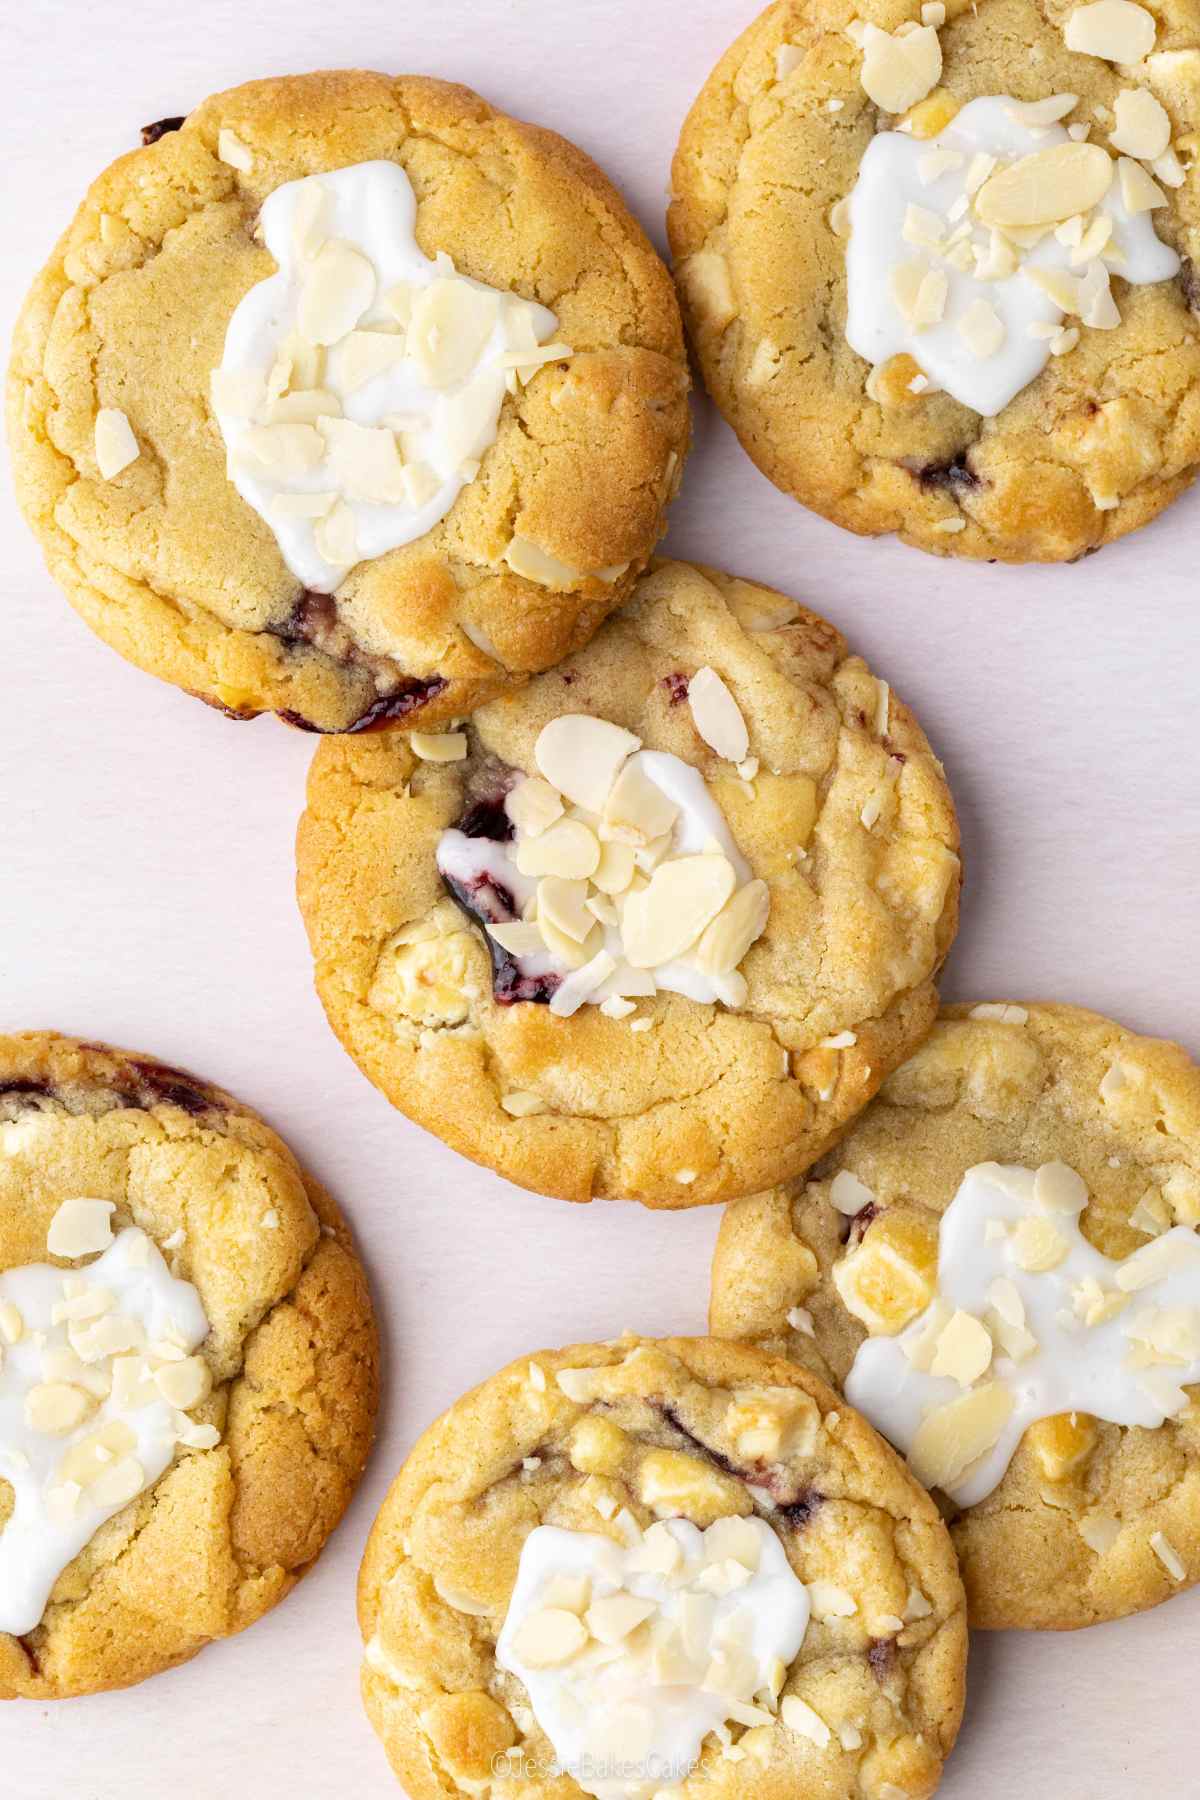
848	1194
1117	30
899	70
717	716
80	1228
115	444
1099	1531
231	150
580	756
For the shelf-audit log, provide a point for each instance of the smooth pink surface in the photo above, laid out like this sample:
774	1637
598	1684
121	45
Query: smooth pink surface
146	897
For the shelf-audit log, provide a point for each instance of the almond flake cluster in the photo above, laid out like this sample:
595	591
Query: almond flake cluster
598	835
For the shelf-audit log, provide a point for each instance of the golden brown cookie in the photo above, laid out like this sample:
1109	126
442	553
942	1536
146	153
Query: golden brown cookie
1097	444
276	1432
1092	1520
169	564
836	812
603	1444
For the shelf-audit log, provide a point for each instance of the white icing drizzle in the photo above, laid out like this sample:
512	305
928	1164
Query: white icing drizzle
700	827
890	181
54	1514
610	1705
439	408
1129	1369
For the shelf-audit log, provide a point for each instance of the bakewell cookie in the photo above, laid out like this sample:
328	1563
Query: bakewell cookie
999	1266
349	398
188	1367
938	262
656	926
645	1569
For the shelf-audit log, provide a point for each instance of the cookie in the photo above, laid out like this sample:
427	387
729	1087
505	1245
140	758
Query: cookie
683	1557
999	1265
653	927
905	334
349	398
188	1367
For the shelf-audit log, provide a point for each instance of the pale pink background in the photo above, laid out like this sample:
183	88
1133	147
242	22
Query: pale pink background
146	897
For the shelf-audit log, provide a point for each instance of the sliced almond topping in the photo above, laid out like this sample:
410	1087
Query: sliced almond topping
533	805
231	150
116	446
284	450
1001	1012
964	1350
184	1384
12	1325
302	506
566	848
950	1439
936	163
982	329
439	746
237	391
361	356
1168	1556
338	289
520	1105
1139	191
614	872
119	1483
799	1717
637	811
1062	288
829	1601
922	227
717	716
420	484
530	561
612	1619
1044	112
365	461
449	328
1116	30
55	1407
80	1228
336	536
1058	1188
788	58
549	1638
1046	186
1037	1245
740	923
666	918
899	70
564	904
577	987
580	756
1143	128
1099	1531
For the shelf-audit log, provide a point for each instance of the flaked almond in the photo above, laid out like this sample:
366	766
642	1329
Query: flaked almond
529	560
1046	186
717	716
982	329
611	1619
338	288
80	1228
580	756
899	70
1058	1188
439	746
362	356
284	450
420	484
740	922
365	461
564	904
567	848
56	1407
449	327
682	898
335	536
1117	30
549	1638
115	443
520	938
637	811
964	1350
231	150
950	1439
1139	191
799	1717
184	1384
119	1483
614	872
848	1194
581	984
533	805
1143	128
1037	1245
